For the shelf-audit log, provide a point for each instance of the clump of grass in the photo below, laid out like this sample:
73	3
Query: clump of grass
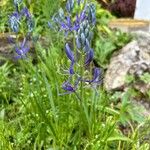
39	118
43	119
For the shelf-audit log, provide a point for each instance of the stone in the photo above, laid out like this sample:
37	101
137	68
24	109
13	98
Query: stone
143	107
142	10
133	59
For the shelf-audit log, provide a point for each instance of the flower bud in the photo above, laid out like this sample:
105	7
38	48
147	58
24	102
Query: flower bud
91	14
69	5
78	43
14	22
86	32
83	38
30	24
61	13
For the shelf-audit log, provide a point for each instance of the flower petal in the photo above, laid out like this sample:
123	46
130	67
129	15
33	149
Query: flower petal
78	43
66	86
96	76
69	53
89	57
25	50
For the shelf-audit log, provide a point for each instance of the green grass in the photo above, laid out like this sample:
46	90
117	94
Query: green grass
36	117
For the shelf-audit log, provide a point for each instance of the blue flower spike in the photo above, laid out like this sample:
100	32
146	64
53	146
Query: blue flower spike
78	28
91	9
14	21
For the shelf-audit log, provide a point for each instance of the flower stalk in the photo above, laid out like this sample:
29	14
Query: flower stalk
16	19
78	28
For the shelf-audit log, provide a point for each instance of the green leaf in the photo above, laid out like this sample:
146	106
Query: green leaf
119	138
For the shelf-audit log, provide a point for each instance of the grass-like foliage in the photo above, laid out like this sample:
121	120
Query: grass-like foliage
38	118
37	114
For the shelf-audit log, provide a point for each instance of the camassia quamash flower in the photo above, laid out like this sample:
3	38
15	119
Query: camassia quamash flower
22	50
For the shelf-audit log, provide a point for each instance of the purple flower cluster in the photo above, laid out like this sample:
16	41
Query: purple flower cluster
17	16
15	21
80	54
62	22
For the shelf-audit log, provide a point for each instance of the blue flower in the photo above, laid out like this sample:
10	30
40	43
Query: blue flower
89	57
58	20
14	21
80	18
96	76
70	55
80	28
68	25
30	21
22	50
67	86
25	12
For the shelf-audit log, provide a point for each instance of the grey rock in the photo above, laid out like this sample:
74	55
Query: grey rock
143	107
133	59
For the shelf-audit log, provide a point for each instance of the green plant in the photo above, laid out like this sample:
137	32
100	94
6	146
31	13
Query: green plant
39	117
107	42
146	79
6	88
5	9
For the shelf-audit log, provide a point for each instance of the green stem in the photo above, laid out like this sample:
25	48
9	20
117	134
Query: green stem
85	1
81	63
